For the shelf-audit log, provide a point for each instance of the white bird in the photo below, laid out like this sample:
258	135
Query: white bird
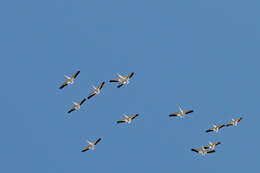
212	145
181	113
202	151
215	128
91	146
127	119
77	105
122	79
234	122
96	90
70	80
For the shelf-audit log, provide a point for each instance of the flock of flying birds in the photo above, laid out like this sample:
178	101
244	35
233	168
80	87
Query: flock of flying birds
123	80
210	148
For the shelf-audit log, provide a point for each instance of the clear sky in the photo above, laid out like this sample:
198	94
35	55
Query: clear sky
200	54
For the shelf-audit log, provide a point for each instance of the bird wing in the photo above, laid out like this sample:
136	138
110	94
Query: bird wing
174	114
85	149
63	85
134	116
97	141
211	151
121	84
130	75
239	119
195	150
209	130
91	94
220	126
82	101
115	80
189	111
121	121
229	124
217	143
101	85
75	74
72	109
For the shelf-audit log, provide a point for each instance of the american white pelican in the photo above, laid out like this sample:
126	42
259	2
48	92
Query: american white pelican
234	122
181	113
77	105
91	146
127	119
96	90
122	79
212	145
215	128
70	80
202	151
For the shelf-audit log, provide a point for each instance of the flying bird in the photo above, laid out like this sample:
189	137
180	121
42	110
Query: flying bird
96	90
127	119
122	79
77	105
202	151
70	80
234	122
212	145
215	128
91	146
181	113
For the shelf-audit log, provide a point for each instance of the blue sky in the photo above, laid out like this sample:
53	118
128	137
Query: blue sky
202	55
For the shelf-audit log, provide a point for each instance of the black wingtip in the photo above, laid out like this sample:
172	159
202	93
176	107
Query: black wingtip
91	96
194	150
62	86
113	81
172	115
119	86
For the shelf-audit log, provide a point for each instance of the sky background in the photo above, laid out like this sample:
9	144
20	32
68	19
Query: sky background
200	54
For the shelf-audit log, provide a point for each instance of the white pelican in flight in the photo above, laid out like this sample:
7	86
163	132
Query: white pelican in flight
122	79
181	113
215	128
96	90
77	105
70	80
234	122
202	151
91	145
212	145
127	119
